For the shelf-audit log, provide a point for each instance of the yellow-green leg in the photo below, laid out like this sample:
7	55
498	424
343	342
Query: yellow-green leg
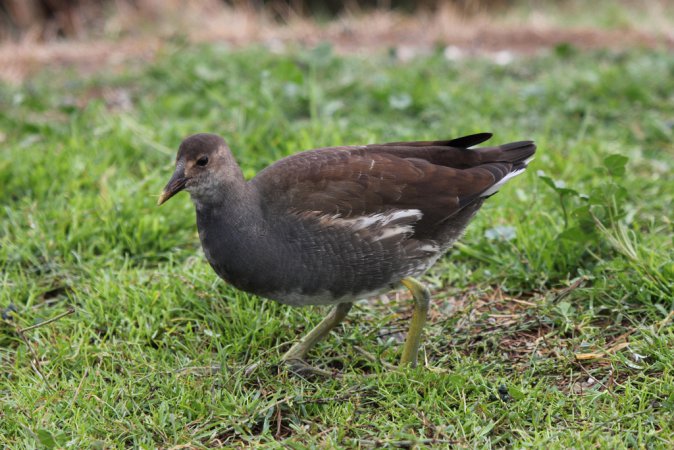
295	356
422	298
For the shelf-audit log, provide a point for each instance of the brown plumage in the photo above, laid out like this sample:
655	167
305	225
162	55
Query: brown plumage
439	178
337	224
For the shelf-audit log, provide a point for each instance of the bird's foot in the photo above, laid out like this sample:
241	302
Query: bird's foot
302	368
375	360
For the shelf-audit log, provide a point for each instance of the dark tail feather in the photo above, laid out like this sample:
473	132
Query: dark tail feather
503	162
468	141
516	153
462	142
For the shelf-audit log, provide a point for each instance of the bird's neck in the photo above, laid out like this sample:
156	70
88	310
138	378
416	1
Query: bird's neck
232	228
230	205
234	237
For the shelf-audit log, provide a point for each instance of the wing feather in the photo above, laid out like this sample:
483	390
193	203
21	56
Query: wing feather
436	178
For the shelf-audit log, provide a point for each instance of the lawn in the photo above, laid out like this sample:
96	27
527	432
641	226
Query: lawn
551	322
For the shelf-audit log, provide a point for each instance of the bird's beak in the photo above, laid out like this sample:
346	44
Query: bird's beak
175	184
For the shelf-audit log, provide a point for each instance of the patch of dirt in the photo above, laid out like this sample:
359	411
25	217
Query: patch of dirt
523	332
374	32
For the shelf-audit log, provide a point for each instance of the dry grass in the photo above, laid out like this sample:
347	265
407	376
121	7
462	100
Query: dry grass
137	34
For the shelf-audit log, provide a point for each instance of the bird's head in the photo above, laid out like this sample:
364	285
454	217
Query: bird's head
204	166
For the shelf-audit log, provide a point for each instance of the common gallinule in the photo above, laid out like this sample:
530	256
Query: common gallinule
334	225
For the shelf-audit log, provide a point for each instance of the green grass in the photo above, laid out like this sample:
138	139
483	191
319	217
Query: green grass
572	263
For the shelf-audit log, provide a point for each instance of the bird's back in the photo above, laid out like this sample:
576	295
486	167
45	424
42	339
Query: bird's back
350	221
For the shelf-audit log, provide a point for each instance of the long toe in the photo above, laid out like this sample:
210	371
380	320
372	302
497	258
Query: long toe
304	369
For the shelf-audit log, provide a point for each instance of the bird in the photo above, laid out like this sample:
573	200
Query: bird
334	225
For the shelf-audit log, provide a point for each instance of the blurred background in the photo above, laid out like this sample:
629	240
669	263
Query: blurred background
86	33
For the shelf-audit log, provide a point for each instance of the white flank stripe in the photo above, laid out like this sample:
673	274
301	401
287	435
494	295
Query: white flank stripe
430	248
381	219
381	225
498	185
402	213
393	231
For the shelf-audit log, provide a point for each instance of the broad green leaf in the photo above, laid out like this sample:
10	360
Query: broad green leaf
615	164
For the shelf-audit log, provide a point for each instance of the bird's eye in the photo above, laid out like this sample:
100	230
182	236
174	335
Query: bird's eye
202	161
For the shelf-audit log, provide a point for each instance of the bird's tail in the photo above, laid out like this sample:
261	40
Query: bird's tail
505	162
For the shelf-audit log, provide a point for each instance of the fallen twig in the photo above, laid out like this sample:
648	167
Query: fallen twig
665	321
79	387
405	443
279	422
601	355
578	283
48	321
35	362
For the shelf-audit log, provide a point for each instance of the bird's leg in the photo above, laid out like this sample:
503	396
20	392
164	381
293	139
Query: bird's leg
295	356
422	298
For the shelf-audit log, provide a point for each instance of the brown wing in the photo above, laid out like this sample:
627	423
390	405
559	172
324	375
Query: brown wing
436	178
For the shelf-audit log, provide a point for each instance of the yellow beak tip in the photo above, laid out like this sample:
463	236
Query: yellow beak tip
162	198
